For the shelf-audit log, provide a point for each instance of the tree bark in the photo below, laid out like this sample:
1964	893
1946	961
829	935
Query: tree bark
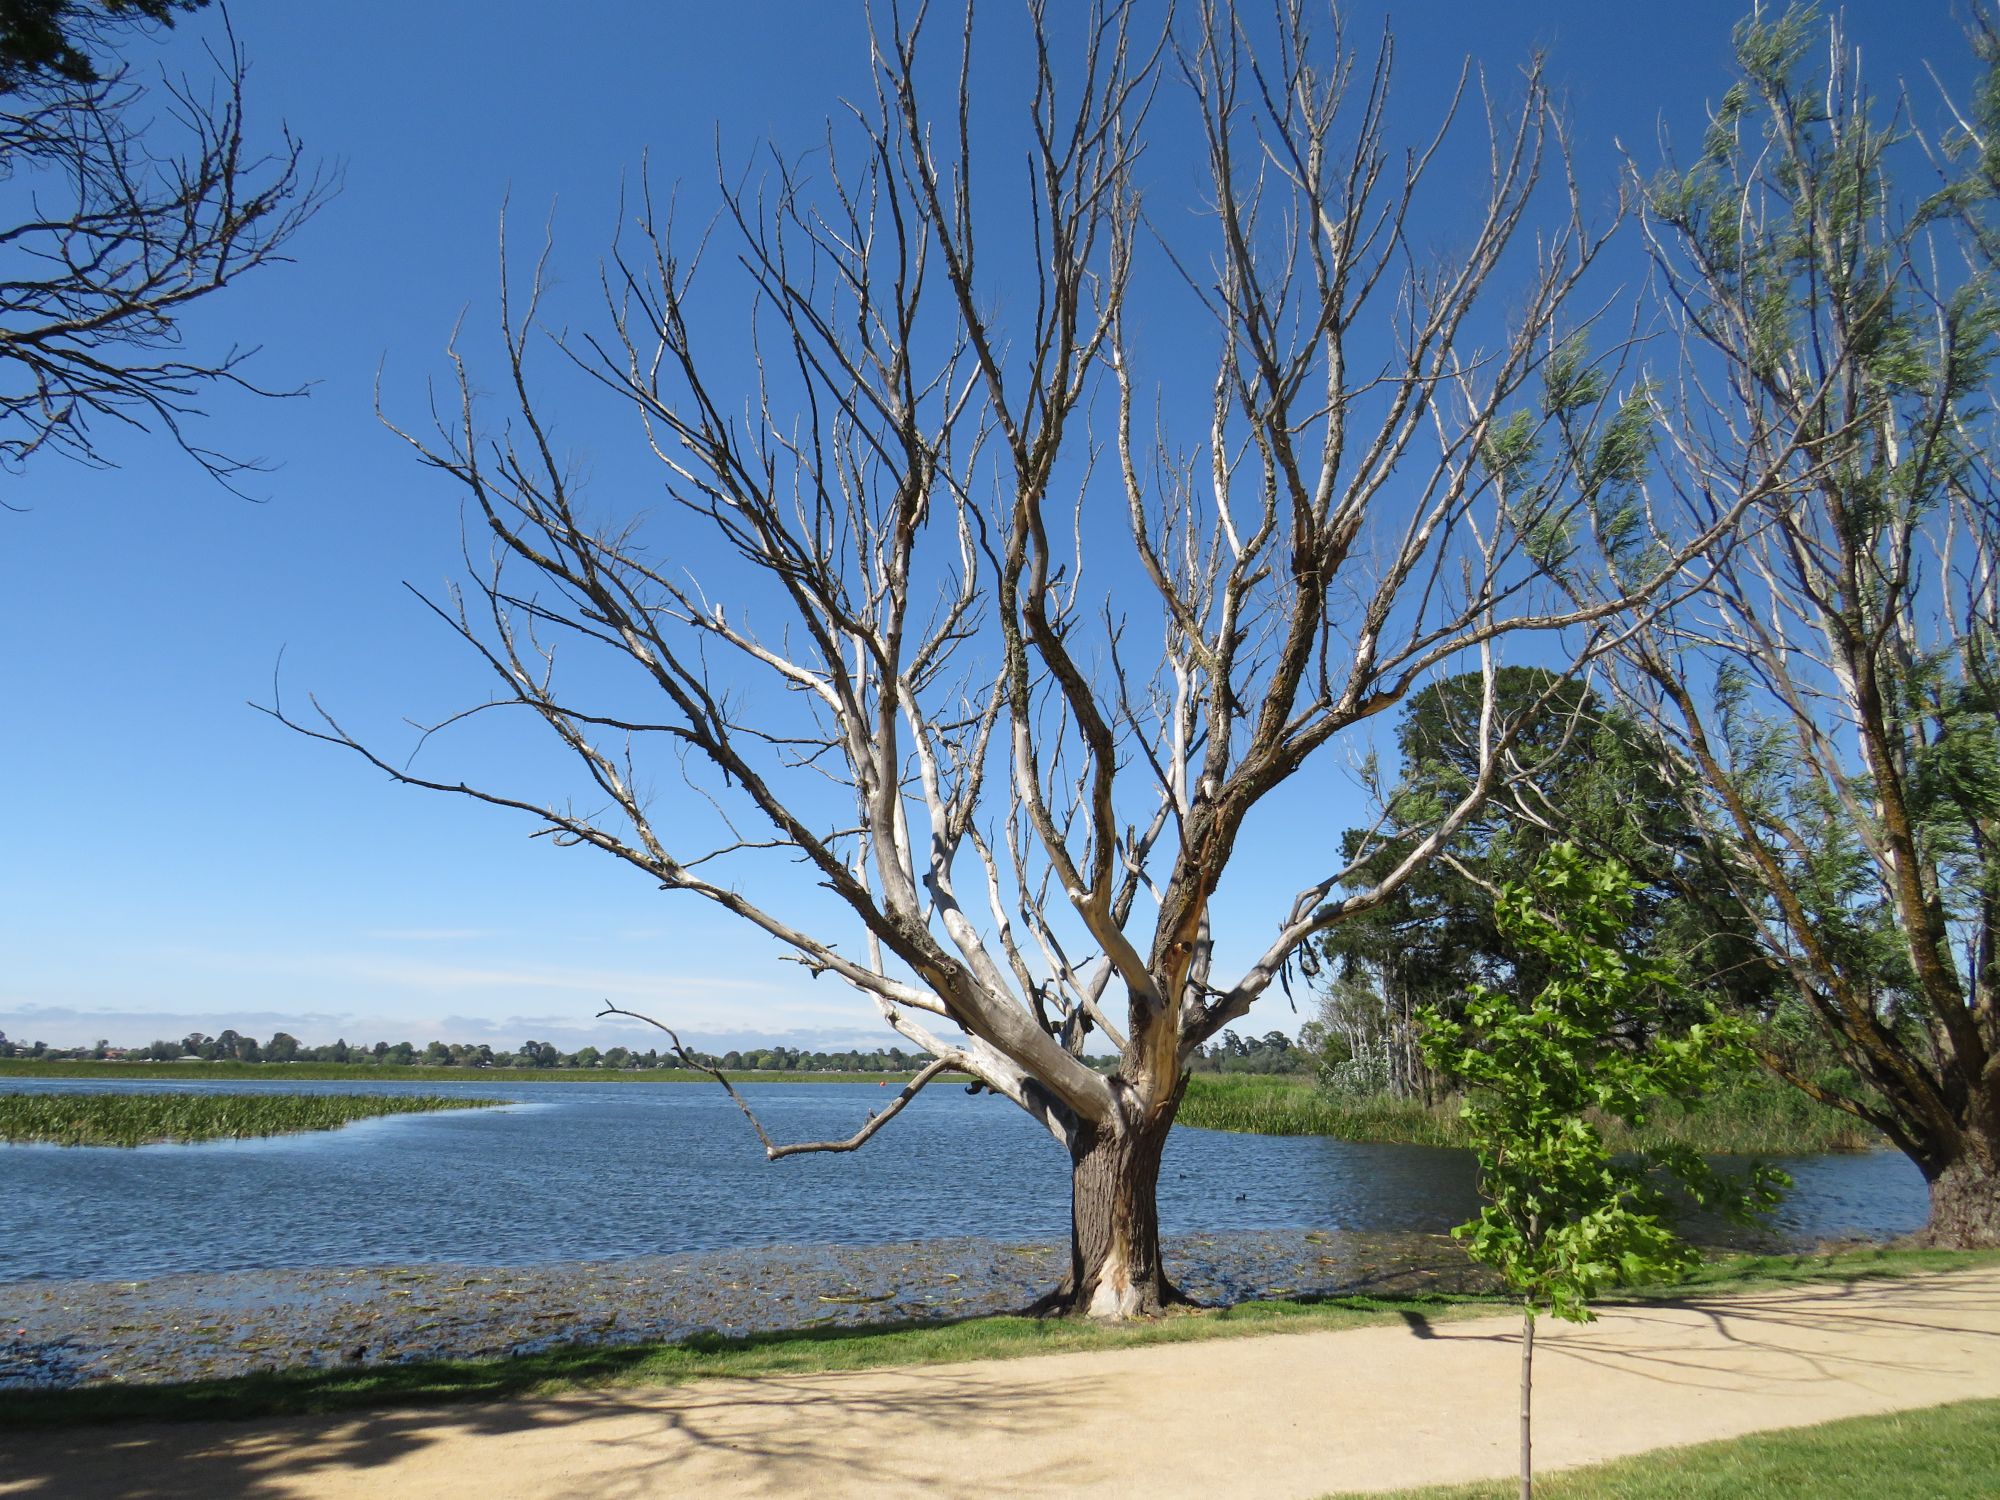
1115	1269
1965	1200
1527	1401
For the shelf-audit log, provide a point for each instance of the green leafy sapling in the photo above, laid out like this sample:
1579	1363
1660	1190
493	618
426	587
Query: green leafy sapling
1563	1218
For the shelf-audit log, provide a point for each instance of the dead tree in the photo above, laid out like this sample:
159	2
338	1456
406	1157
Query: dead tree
121	208
1011	699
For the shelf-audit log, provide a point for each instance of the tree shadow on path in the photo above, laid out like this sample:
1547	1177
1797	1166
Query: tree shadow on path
769	1435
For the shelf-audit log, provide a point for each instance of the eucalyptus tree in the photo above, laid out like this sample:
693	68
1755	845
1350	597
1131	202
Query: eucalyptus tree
1831	697
998	661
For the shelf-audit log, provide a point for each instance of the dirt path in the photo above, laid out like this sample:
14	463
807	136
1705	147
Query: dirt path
1280	1418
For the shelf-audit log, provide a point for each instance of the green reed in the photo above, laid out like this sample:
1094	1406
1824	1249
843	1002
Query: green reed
1745	1117
141	1119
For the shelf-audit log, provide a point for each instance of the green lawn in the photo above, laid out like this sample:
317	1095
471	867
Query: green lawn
820	1349
1934	1453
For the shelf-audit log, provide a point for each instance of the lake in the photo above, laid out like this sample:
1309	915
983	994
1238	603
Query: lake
605	1171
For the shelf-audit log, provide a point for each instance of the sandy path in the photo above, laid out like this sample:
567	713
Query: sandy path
1276	1417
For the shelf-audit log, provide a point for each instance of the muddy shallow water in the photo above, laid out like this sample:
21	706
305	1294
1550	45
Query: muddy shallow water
611	1213
197	1326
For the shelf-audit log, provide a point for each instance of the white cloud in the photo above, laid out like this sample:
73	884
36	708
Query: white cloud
394	996
428	934
74	1026
441	976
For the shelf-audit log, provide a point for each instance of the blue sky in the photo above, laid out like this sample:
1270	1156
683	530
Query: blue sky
172	860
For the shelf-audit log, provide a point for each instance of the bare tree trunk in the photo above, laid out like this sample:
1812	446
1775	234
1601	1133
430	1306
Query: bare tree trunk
1527	1400
1114	1244
1416	1077
1965	1200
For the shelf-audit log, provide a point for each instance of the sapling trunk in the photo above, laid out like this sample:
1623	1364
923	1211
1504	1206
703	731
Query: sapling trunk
1527	1400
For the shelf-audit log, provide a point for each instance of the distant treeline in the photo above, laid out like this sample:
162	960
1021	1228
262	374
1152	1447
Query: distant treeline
232	1046
1274	1053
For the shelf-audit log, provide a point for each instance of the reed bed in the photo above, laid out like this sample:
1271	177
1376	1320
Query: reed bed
1744	1117
142	1119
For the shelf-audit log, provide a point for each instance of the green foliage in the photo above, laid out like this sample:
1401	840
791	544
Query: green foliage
1564	1219
1274	1052
1743	1113
1599	772
1782	215
1292	1105
1878	370
1571	467
1975	147
140	1119
50	39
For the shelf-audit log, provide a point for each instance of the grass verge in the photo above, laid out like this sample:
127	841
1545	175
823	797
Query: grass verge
808	1351
141	1119
1745	1117
1932	1453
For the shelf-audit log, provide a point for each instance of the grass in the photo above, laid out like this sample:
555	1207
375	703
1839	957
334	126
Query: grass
810	1351
1746	1117
115	1068
1257	1104
139	1119
1934	1453
1749	1117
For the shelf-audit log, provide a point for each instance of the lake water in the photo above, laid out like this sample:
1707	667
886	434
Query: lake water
586	1171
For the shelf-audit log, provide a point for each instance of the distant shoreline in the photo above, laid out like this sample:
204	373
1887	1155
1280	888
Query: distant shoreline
1764	1119
114	1068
